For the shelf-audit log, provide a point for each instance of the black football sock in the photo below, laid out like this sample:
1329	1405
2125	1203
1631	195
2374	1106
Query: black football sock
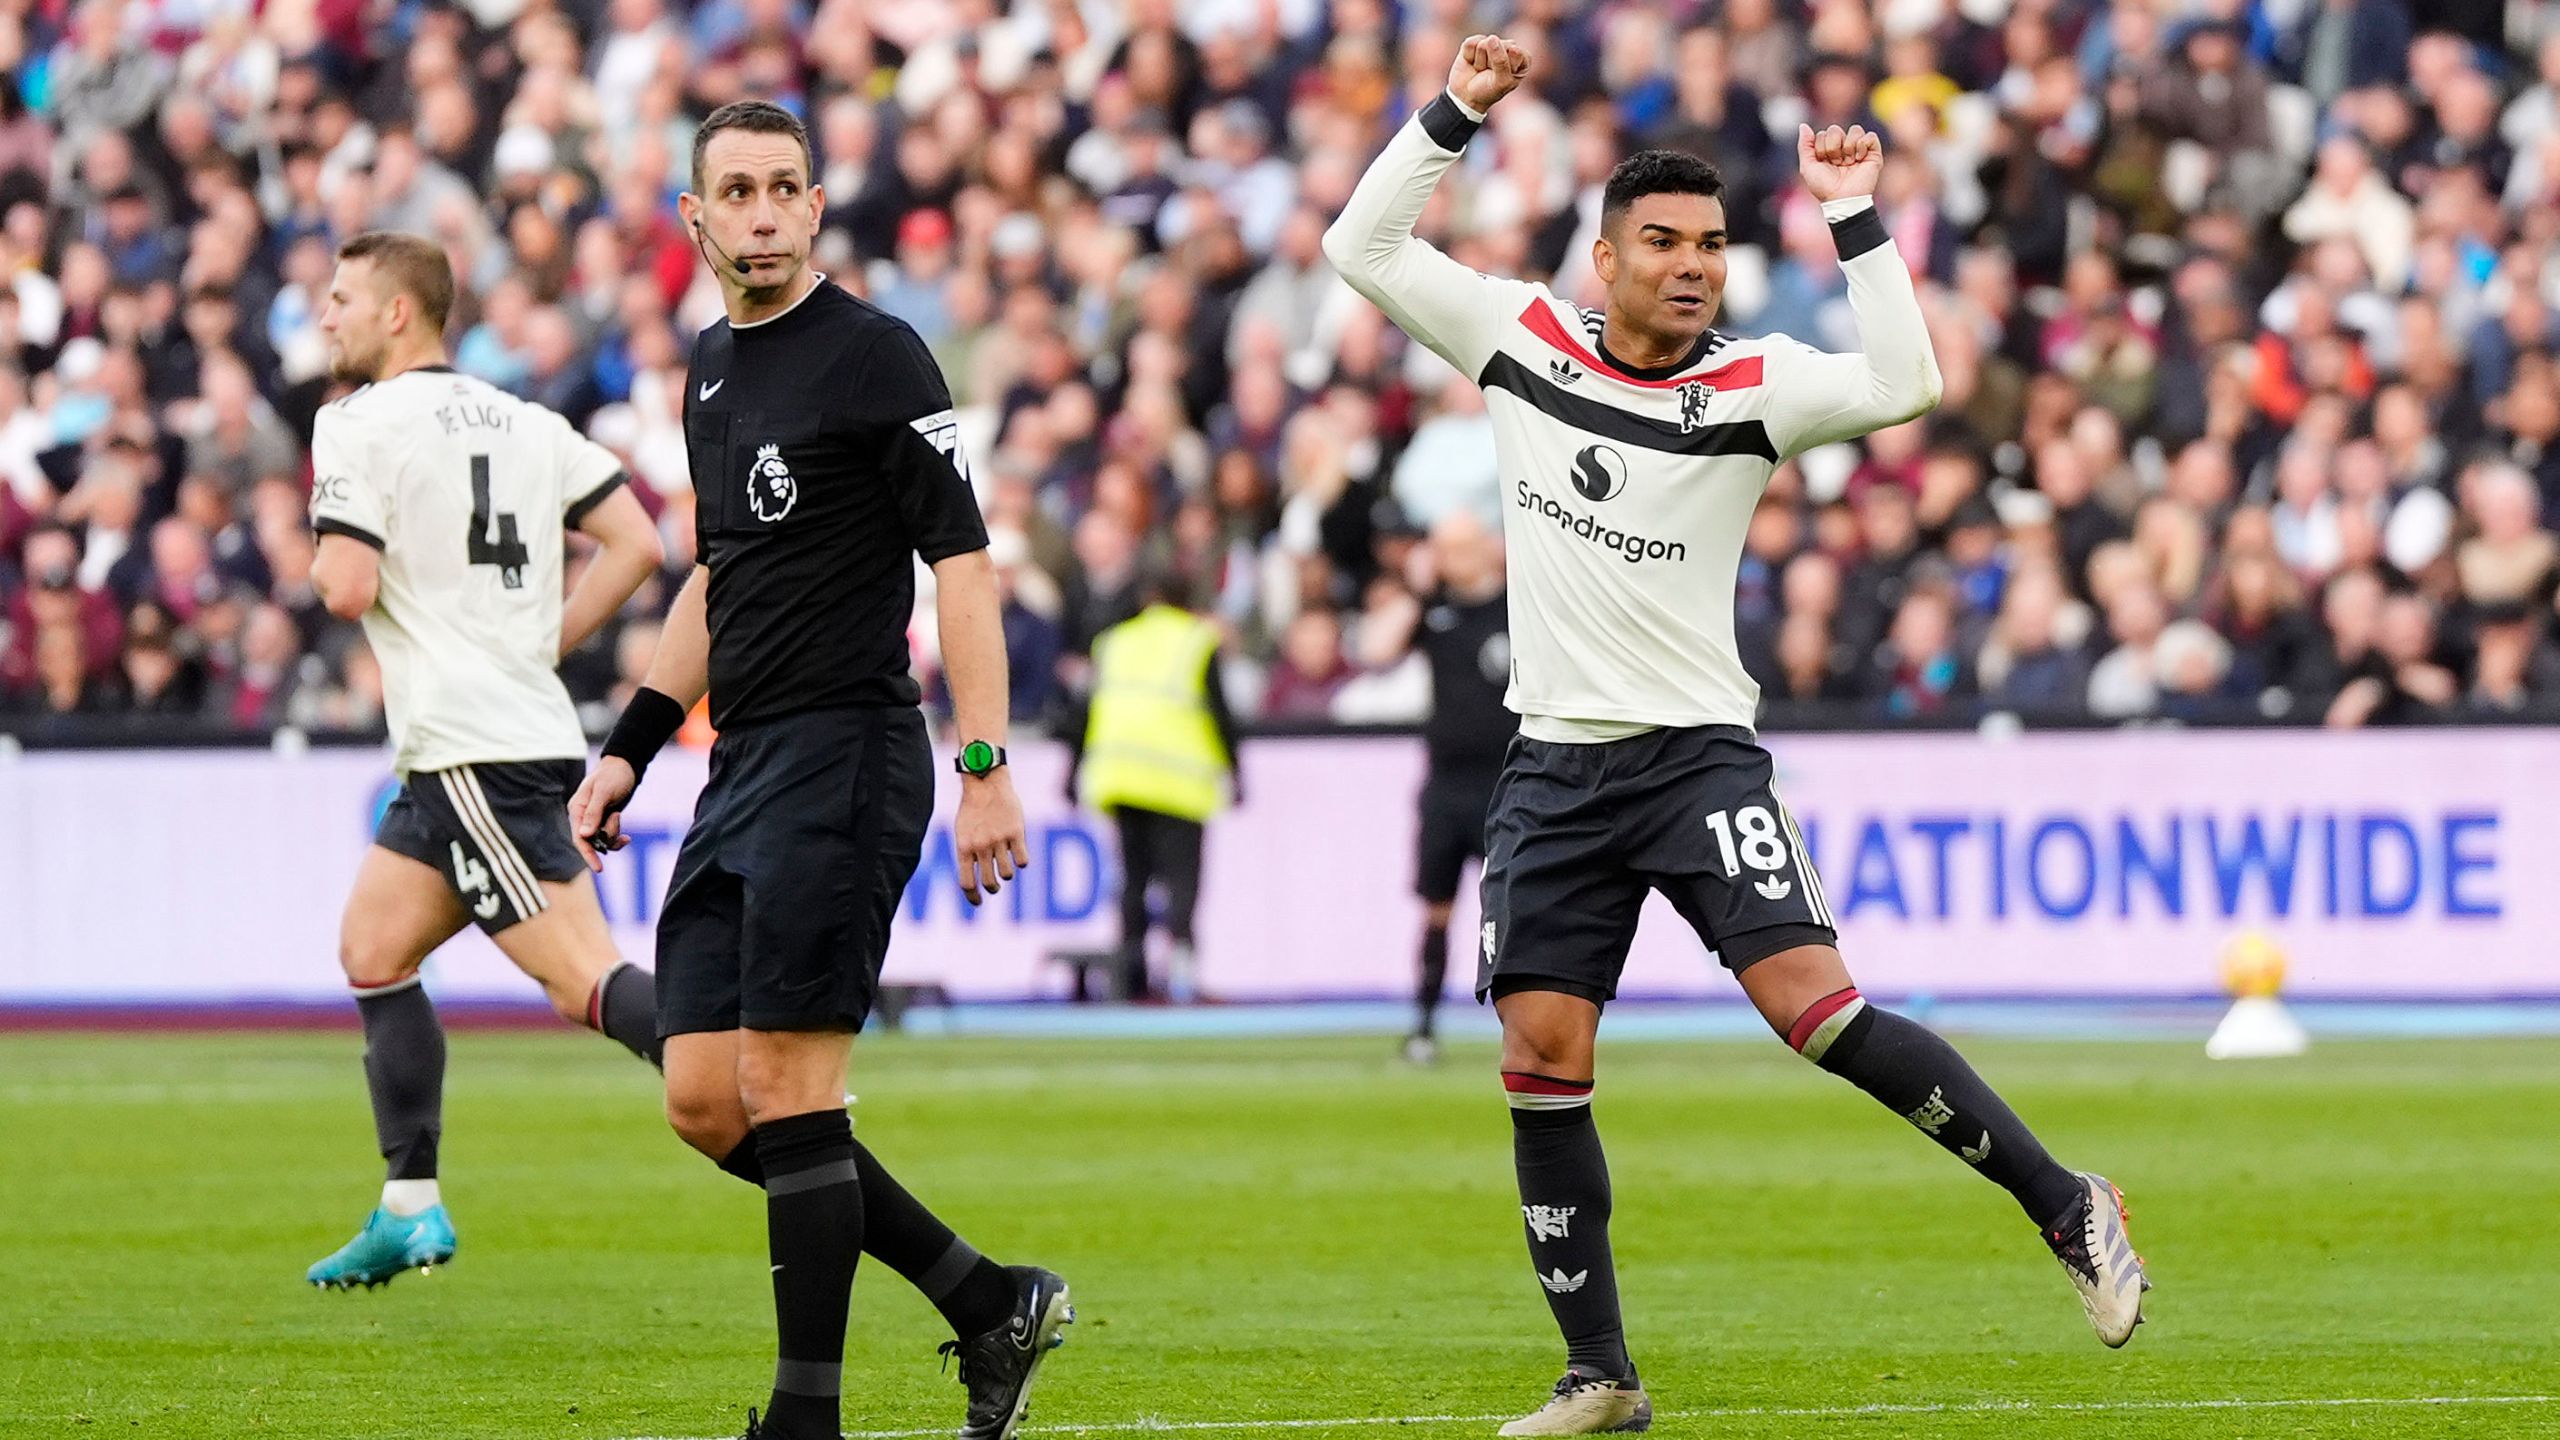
404	1071
972	1292
743	1162
813	1229
1921	1078
624	1008
1435	973
1564	1203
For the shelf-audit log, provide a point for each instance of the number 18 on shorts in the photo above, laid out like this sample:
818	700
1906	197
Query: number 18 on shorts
1579	834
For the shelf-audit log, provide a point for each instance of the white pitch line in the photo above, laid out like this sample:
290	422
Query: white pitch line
1148	1424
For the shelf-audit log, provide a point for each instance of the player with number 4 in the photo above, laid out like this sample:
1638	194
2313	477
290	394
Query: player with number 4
1634	442
442	506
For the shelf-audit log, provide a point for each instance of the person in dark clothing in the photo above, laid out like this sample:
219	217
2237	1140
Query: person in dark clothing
826	461
1465	634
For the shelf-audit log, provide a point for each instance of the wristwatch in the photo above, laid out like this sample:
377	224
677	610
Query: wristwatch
978	758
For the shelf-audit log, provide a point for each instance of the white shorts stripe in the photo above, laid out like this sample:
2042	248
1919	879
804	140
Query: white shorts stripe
1804	864
506	845
509	883
513	877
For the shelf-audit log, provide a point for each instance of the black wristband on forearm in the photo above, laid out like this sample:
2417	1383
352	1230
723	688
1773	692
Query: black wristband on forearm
1857	233
651	719
1447	125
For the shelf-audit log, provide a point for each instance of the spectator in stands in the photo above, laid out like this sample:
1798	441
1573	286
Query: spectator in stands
2270	333
1310	669
2028	666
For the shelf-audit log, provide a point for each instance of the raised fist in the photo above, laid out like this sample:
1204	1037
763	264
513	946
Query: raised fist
1837	164
1488	67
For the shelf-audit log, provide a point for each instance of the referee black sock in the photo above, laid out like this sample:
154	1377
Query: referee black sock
972	1292
743	1162
1564	1205
624	1008
404	1071
1435	973
813	1229
1921	1078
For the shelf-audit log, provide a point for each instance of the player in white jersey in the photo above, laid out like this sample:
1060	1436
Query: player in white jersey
1633	445
442	506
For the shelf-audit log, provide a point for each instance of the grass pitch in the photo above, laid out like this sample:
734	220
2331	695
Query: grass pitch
2359	1243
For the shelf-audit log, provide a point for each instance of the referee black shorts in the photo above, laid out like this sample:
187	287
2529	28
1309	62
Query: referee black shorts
1580	833
1451	833
495	832
801	848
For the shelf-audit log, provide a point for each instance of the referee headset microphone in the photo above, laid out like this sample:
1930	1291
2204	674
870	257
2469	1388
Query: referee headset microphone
702	237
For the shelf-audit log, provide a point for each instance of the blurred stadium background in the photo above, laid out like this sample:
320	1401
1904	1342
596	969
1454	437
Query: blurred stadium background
2215	605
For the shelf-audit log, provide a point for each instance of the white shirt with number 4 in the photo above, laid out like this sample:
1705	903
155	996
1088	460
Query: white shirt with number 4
468	493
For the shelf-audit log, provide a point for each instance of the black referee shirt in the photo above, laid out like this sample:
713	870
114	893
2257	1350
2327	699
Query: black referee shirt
1469	646
825	456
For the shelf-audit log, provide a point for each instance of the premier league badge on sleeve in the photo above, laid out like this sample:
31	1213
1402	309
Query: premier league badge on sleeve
771	491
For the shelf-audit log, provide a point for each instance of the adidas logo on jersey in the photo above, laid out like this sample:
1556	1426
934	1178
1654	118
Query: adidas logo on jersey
1773	888
1560	1283
1563	371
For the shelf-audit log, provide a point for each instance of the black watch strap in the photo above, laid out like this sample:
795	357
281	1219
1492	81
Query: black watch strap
978	757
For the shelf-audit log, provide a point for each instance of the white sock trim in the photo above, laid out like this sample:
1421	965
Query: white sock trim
410	1197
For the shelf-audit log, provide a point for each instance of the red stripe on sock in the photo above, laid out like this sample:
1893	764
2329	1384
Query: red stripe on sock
595	1006
1521	1082
1821	1010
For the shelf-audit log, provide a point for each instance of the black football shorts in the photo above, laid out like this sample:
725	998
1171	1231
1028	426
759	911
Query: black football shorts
1453	806
801	848
1579	834
496	831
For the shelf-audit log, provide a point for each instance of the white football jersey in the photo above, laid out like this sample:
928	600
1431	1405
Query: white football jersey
1626	495
468	492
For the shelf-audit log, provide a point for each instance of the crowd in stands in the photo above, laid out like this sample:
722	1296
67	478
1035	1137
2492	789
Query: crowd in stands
2246	310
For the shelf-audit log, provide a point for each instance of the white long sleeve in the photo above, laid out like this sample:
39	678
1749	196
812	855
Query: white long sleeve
1459	313
1816	397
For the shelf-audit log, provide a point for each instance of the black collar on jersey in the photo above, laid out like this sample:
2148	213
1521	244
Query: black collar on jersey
1706	341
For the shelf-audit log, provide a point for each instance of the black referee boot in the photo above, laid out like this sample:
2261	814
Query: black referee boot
998	1366
761	1429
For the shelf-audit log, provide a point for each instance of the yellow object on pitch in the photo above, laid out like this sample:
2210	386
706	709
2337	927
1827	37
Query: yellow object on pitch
2252	966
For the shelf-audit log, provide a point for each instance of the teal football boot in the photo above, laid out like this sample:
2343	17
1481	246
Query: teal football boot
387	1245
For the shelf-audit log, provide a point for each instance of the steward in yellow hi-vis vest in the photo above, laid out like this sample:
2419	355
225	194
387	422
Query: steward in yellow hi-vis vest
1151	741
1158	755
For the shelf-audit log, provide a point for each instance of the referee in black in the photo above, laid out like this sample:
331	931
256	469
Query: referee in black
825	459
1465	633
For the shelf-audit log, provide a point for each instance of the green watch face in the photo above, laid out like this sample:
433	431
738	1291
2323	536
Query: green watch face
977	757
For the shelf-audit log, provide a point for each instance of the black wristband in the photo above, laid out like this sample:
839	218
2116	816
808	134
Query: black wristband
647	724
1859	232
1447	125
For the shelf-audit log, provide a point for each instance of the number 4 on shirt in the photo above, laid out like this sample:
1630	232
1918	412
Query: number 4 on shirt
493	538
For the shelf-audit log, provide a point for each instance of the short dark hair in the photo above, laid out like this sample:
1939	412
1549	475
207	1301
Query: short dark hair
756	117
413	263
1656	172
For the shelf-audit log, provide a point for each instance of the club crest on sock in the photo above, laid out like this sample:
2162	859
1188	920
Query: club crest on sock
1549	1222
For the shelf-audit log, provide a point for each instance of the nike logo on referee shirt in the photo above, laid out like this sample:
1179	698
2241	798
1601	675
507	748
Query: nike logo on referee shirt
712	388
